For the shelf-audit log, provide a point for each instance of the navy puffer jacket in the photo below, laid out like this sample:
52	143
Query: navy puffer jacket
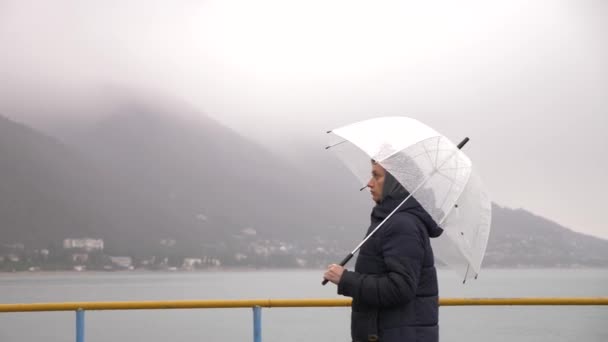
394	285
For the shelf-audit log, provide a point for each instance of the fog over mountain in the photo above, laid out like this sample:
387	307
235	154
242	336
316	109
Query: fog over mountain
145	173
203	123
527	81
195	181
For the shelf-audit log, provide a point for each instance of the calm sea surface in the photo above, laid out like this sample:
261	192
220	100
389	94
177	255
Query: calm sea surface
471	324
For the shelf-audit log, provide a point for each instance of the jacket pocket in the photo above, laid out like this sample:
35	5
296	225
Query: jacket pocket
364	326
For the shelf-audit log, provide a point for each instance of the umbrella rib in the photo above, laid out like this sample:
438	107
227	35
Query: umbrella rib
437	151
452	183
427	152
411	174
456	168
453	180
450	189
428	155
336	144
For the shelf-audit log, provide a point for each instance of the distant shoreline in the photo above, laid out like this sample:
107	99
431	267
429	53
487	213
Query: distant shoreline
266	269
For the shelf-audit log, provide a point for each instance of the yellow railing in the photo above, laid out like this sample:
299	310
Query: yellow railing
258	304
282	303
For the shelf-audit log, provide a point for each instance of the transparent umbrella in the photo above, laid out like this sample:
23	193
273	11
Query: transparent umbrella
435	172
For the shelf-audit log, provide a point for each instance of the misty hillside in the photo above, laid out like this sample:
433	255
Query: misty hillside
49	192
519	237
142	175
207	175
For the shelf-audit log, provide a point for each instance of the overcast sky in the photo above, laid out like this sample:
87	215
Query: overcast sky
526	80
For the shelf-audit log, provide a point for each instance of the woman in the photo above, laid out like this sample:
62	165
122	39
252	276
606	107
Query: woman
394	284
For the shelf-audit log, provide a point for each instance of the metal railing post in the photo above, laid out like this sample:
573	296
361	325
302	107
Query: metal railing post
257	324
79	325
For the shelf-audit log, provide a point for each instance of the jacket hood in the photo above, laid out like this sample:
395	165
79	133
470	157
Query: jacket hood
393	193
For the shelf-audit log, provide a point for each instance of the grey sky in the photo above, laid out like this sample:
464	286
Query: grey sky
526	80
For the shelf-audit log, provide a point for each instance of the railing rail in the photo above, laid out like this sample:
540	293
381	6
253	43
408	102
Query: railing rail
284	303
258	304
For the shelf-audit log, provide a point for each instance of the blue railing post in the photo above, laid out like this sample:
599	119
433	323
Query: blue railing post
79	325
257	324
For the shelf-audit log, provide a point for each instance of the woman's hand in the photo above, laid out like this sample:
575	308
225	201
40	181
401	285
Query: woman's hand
334	273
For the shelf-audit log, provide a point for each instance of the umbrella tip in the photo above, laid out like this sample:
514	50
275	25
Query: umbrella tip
463	142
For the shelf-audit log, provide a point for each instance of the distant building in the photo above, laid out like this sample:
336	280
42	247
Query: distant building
191	263
80	257
240	256
16	246
86	244
124	262
148	262
249	231
168	242
209	261
301	262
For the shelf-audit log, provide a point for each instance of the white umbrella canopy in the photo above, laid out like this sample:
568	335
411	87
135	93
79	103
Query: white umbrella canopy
435	172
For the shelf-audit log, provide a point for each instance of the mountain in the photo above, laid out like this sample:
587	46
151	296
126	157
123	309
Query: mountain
149	172
49	192
142	175
519	237
206	175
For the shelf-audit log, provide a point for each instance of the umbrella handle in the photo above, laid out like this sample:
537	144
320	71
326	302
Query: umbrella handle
342	263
